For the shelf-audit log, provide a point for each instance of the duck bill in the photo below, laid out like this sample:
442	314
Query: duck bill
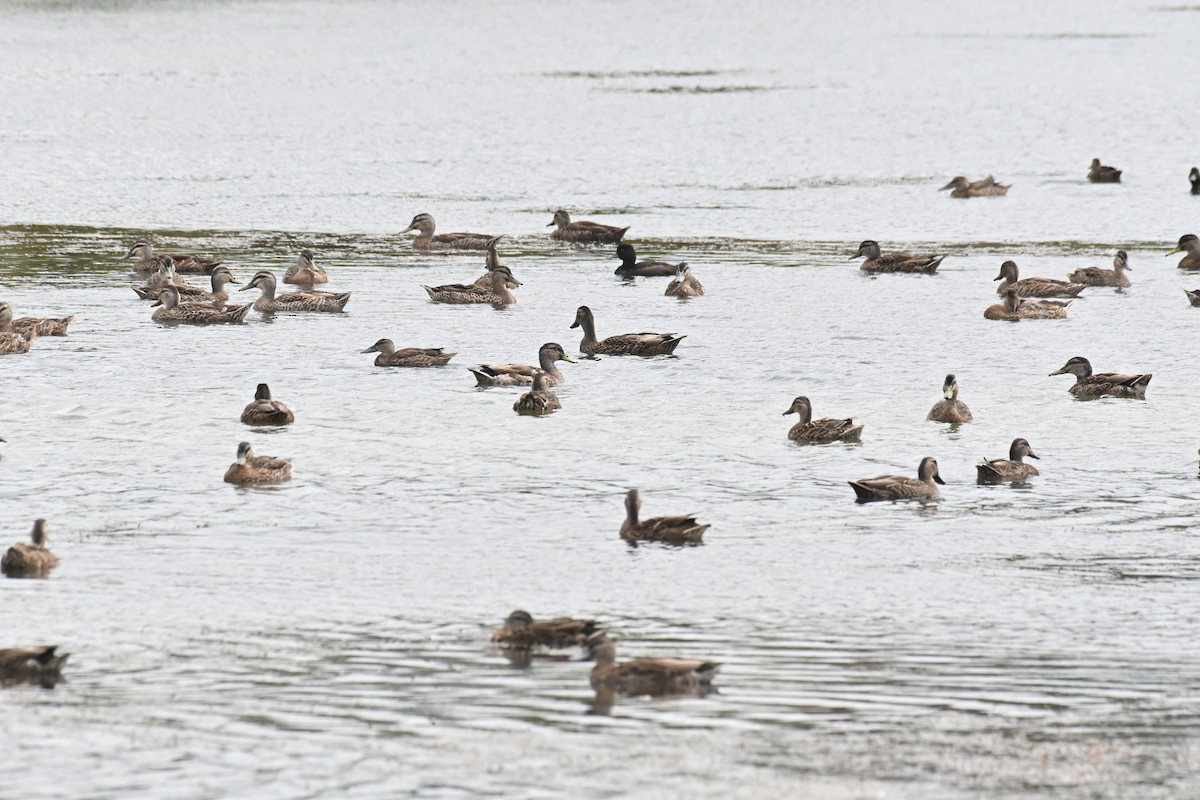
247	286
999	277
575	324
1173	252
567	358
1032	454
369	350
949	185
157	302
938	480
406	230
1058	372
552	224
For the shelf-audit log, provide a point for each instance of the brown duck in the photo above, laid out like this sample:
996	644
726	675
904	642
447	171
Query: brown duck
684	284
646	676
950	408
1013	468
41	664
1013	308
389	356
878	261
627	344
293	302
820	431
425	239
31	560
147	261
986	187
265	410
252	469
523	631
1098	173
1090	385
1034	287
539	400
1191	245
901	487
522	374
1095	276
584	232
305	272
677	530
10	340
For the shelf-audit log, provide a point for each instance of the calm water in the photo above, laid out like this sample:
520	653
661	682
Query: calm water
328	638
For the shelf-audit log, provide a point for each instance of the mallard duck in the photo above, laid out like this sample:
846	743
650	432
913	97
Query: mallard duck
1102	174
878	261
1012	468
30	560
901	487
1189	243
265	411
987	187
522	374
645	676
169	310
539	400
1014	308
221	276
10	340
497	293
1193	296
677	530
820	431
950	408
1111	384
184	262
425	225
31	663
627	344
1034	287
389	356
684	284
305	272
491	264
584	232
42	326
1095	276
520	629
293	302
1194	179
252	469
632	268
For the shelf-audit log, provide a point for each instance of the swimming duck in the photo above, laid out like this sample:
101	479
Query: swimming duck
627	344
1194	179
496	292
1090	385
1188	242
539	400
31	663
1193	296
30	560
265	411
677	530
584	232
169	310
184	262
221	276
425	225
491	264
632	268
389	356
987	187
646	676
878	261
522	374
1034	287
900	487
1012	468
820	431
684	284
1102	174
1014	308
297	301
305	272
252	469
10	340
42	326
1095	276
950	408
520	629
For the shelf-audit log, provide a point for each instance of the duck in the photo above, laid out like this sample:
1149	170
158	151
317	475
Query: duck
491	264
1013	308
169	310
820	431
523	374
1034	287
684	284
1193	296
298	301
1095	276
389	356
1194	179
539	400
1012	468
645	676
950	408
496	292
1189	243
221	276
631	268
1102	174
901	487
147	261
266	411
42	326
252	469
305	272
31	663
10	340
521	630
627	344
677	530
1104	384
425	225
878	261
584	232
987	187
31	560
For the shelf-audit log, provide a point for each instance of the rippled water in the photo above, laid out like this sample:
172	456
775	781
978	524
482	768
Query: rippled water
328	638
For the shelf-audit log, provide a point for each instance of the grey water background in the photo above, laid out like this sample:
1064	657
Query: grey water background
328	638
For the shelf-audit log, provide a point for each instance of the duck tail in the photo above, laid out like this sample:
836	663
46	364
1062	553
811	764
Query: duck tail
862	492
